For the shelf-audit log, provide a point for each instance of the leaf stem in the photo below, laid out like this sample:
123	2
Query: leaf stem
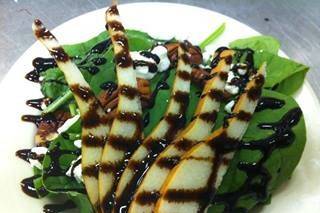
58	102
213	36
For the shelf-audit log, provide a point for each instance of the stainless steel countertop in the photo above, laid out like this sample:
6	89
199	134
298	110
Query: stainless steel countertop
296	23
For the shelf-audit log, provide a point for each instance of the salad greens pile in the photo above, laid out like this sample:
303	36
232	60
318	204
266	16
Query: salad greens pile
284	77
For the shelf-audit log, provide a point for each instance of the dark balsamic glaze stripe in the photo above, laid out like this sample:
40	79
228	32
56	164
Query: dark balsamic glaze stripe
161	85
74	165
152	68
28	187
59	54
149	54
110	168
121	40
208	116
41	31
92	141
168	162
244	116
37	119
82	92
182	98
54	168
91	171
109	86
27	154
40	65
37	103
269	103
115	26
129	92
283	137
145	198
146	119
113	10
217	57
122	143
183	144
223	76
217	95
55	208
91	119
184	195
184	75
254	92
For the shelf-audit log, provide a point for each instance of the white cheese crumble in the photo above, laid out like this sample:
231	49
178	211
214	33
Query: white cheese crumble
38	151
228	107
232	89
242	68
77	171
77	143
162	53
163	65
68	123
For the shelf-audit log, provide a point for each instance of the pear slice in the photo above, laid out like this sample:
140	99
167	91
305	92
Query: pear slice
126	129
194	180
162	134
196	131
95	122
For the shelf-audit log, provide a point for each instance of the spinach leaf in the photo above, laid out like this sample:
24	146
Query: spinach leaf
280	164
283	75
258	43
82	202
54	85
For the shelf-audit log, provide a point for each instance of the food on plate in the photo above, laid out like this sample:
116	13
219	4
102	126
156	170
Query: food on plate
132	123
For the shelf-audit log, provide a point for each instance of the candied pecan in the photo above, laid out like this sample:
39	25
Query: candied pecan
195	51
199	76
109	101
47	130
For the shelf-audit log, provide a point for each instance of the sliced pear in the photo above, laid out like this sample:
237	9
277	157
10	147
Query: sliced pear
126	128
162	134
196	131
95	122
194	180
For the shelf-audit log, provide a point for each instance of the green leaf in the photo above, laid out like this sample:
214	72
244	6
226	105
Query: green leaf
213	36
280	164
53	84
257	43
283	75
82	202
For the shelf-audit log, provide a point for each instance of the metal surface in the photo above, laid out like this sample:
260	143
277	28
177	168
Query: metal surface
296	23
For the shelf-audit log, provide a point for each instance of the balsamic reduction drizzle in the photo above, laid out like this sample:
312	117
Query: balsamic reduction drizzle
28	187
56	208
283	136
146	119
89	62
36	119
40	65
269	103
109	86
161	85
37	103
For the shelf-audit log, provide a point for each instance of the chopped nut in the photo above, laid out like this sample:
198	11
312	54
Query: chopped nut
196	55
199	76
47	131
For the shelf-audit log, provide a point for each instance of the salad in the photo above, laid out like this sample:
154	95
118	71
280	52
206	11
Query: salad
132	123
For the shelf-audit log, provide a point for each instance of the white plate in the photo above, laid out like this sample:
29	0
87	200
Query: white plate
301	194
